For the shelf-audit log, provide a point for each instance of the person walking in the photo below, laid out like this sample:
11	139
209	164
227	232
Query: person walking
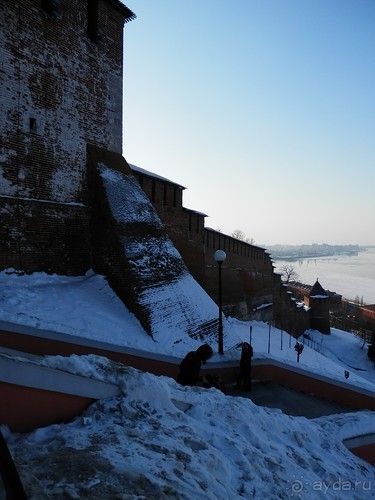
244	376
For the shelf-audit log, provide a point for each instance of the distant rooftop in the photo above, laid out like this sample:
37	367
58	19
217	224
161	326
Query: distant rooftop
308	289
318	291
129	15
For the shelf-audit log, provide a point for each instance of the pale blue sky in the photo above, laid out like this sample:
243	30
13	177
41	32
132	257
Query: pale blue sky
263	109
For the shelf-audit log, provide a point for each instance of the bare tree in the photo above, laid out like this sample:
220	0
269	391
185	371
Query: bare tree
359	300
289	273
240	235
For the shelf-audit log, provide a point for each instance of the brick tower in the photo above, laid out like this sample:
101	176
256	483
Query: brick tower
61	90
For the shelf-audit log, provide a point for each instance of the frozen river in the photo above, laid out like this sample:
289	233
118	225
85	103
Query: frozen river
351	276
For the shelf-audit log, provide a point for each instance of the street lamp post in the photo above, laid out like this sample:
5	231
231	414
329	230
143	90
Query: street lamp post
219	257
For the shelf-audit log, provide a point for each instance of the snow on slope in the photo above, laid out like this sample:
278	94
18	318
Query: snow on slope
164	287
162	440
159	440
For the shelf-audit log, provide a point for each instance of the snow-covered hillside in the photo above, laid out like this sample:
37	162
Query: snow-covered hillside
162	440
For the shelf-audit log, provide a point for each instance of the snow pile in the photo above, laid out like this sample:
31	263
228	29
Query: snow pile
161	440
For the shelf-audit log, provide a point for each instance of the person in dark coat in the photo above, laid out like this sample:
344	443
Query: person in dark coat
244	377
190	366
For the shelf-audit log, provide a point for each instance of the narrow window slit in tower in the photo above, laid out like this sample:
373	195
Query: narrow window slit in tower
32	124
92	20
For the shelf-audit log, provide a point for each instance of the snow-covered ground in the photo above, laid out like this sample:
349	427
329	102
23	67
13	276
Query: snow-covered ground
162	440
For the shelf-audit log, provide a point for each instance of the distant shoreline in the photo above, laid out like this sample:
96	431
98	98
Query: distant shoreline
350	274
310	256
304	252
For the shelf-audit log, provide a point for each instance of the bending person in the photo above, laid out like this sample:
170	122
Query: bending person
190	366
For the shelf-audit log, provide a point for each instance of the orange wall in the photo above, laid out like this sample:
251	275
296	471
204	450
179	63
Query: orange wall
25	408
